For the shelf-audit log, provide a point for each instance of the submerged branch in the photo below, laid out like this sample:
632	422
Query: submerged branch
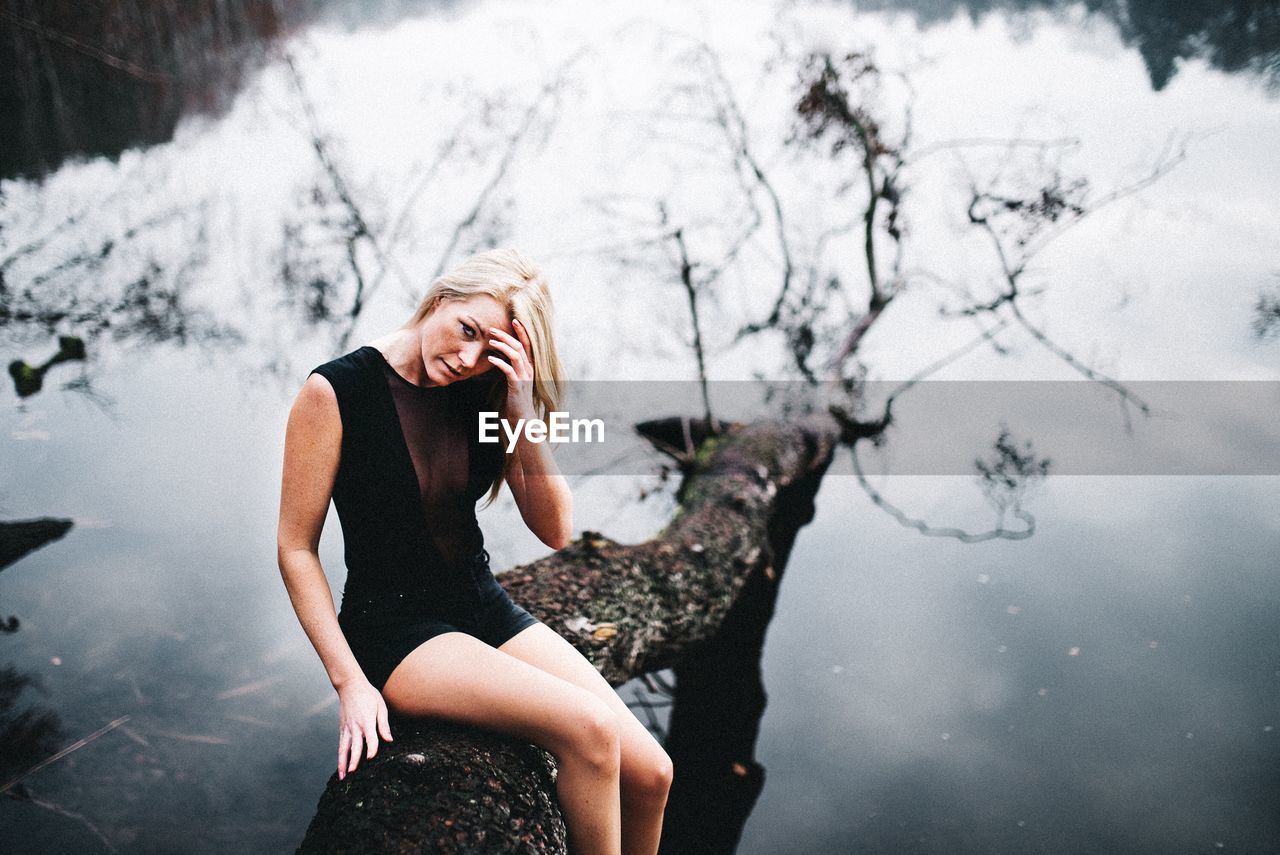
75	746
23	536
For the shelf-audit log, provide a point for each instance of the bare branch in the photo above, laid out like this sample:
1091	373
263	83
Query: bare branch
548	90
730	118
358	225
75	746
399	222
691	291
1053	206
932	531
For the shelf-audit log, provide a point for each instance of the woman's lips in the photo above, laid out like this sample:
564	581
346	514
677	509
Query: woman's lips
455	372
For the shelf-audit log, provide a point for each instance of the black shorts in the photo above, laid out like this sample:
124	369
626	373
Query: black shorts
383	628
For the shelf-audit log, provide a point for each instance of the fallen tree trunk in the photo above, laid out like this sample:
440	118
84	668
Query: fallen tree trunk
630	609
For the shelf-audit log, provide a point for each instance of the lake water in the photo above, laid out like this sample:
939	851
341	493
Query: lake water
1111	683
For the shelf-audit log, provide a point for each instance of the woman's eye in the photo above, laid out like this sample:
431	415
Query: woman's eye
470	331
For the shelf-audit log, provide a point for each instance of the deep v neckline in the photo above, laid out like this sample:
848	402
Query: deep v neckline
383	358
409	473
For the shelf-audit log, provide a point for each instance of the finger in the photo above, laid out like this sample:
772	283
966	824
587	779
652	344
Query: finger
525	343
504	365
521	344
517	359
371	739
384	722
357	743
514	354
521	332
503	334
344	743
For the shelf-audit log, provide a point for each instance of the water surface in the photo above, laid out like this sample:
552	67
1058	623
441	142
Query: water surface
1110	684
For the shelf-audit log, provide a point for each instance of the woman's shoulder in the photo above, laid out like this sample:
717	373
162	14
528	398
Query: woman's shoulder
344	367
349	376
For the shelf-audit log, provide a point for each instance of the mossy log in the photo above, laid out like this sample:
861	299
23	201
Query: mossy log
630	609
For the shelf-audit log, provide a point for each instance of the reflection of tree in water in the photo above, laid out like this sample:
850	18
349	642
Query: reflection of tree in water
1231	35
1266	319
831	290
101	271
99	78
103	77
719	695
337	250
29	738
85	282
720	702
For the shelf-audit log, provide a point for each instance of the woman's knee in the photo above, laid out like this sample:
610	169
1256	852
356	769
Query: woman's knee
651	776
663	773
594	735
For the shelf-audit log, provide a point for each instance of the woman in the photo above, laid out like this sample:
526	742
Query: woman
390	433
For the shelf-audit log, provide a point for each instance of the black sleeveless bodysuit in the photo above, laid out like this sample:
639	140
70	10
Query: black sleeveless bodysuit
411	471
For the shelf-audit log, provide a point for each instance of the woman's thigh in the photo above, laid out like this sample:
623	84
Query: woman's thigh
457	677
543	648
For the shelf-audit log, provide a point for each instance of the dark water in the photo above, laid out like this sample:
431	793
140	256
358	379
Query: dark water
1110	684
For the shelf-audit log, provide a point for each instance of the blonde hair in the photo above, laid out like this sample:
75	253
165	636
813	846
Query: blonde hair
509	277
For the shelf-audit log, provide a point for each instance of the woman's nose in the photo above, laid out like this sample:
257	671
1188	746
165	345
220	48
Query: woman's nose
470	355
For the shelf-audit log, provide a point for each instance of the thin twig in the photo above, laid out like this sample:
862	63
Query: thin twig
359	224
508	157
75	746
738	136
926	529
691	291
939	364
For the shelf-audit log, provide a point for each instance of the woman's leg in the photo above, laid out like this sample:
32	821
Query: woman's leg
646	768
460	678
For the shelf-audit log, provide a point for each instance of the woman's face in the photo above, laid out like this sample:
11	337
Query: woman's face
455	338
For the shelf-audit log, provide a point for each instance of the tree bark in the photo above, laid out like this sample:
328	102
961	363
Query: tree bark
630	609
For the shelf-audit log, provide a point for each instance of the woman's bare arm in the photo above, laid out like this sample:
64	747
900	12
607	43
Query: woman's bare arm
542	494
312	446
312	449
